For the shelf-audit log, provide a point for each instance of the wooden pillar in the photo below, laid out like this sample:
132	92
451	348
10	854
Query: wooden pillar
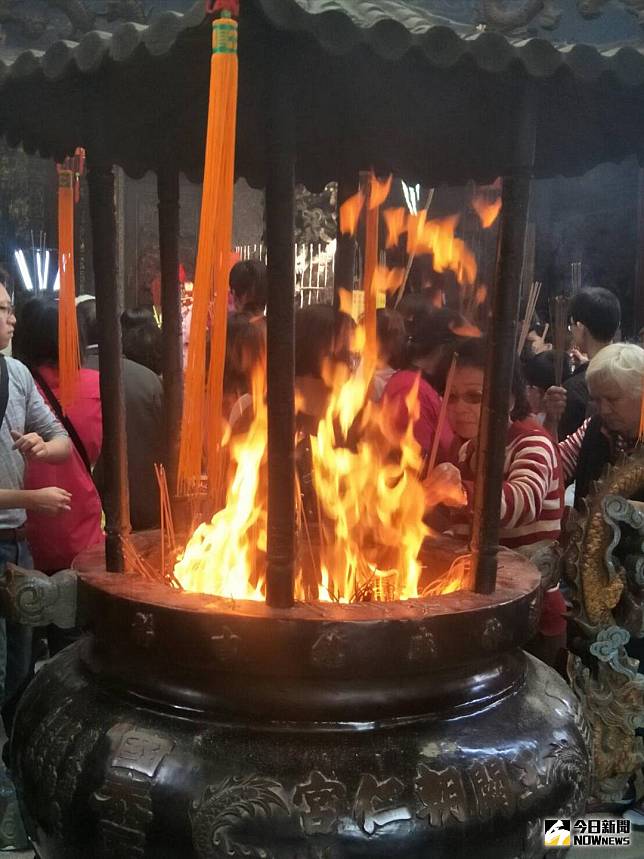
280	233
100	183
168	194
502	338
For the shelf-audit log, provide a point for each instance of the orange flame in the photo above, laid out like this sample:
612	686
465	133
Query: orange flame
370	494
415	232
395	224
350	213
437	237
365	476
379	191
487	210
480	295
222	556
387	279
465	330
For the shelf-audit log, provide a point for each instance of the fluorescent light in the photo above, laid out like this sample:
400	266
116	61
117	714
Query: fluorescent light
46	272
24	271
39	271
409	197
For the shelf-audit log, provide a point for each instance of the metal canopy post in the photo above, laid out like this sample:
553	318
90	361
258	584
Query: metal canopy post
502	339
172	345
100	183
280	189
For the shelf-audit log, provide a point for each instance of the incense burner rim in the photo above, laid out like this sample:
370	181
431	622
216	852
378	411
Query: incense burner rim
517	578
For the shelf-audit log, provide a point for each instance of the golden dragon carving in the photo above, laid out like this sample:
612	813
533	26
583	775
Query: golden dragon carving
600	585
604	677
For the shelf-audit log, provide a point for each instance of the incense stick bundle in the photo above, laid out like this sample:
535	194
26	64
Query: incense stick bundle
429	462
531	306
527	271
165	508
559	310
575	276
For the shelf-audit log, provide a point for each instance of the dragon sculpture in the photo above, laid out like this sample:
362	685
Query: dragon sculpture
603	565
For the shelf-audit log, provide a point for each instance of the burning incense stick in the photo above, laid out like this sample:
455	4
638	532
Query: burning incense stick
559	311
531	306
575	276
429	463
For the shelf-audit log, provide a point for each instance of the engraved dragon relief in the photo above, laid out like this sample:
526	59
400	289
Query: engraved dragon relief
604	568
510	16
224	812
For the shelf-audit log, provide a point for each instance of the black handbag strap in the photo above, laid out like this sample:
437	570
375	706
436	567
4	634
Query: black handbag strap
4	388
65	421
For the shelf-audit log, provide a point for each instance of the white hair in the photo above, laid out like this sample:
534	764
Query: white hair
620	365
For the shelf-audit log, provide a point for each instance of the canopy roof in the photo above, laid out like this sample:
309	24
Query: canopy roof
377	83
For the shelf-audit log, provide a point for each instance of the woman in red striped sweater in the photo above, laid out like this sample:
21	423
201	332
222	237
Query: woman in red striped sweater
532	493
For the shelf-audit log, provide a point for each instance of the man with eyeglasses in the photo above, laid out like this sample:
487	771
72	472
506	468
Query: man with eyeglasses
595	315
28	431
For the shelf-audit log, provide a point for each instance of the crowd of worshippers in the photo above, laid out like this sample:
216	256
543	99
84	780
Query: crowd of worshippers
51	494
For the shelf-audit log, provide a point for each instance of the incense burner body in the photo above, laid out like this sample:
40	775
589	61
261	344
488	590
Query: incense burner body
183	726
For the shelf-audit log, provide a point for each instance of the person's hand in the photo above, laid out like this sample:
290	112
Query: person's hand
51	501
578	358
444	486
538	344
554	403
30	445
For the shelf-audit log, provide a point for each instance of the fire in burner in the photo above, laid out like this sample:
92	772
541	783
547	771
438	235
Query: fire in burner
361	538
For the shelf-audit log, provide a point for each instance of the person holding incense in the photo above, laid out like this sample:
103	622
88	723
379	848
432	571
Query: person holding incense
532	492
595	315
55	542
539	373
615	377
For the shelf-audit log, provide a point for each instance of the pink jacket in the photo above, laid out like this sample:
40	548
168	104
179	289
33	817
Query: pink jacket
397	389
56	540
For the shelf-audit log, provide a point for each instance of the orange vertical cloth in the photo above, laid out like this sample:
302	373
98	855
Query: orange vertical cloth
370	263
68	348
201	427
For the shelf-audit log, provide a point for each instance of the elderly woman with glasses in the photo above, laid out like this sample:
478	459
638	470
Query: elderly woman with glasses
615	377
532	492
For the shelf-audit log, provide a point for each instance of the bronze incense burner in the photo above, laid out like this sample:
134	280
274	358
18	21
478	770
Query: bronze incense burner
189	725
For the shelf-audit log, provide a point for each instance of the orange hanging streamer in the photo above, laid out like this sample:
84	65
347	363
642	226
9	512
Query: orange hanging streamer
375	197
68	349
203	391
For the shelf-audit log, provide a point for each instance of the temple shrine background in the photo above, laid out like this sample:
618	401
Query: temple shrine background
595	219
